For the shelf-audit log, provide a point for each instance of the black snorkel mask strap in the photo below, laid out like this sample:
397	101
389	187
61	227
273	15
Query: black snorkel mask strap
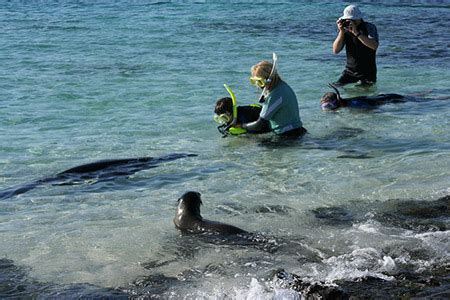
223	129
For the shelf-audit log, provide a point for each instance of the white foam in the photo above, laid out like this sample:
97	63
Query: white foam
367	227
361	262
257	290
389	264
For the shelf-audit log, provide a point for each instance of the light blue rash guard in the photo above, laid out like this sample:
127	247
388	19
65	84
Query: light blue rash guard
280	108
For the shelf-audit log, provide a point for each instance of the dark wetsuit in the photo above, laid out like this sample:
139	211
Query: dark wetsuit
361	62
248	113
371	101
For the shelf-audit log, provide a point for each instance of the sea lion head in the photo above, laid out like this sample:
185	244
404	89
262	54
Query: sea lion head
188	211
189	203
188	218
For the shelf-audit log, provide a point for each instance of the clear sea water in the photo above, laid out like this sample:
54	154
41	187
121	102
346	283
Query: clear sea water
85	81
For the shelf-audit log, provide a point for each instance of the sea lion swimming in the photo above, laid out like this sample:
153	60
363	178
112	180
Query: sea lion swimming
99	171
188	218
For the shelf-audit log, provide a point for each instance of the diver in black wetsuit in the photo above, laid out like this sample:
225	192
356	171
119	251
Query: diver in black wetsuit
332	101
245	114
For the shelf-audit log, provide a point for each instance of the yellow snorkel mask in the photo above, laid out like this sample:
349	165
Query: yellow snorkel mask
223	118
262	82
258	81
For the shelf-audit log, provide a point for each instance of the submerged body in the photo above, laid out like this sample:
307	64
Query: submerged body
189	220
333	101
366	102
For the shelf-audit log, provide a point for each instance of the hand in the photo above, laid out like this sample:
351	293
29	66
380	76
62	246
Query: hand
340	25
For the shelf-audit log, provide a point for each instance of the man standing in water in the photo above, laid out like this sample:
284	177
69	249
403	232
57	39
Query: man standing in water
361	42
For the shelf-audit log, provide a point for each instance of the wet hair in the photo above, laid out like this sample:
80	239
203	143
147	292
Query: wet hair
263	69
224	105
329	97
330	101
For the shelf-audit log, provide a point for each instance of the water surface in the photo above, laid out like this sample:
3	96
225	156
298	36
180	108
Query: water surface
82	82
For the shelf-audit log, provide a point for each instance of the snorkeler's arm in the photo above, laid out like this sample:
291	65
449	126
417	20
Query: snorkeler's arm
258	126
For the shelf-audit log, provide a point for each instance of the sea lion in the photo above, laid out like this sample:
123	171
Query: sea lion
188	218
99	171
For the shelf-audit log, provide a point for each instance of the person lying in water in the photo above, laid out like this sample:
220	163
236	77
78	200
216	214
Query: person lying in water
333	101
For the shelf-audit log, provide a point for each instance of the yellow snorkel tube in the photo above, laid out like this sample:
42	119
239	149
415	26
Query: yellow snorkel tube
230	129
233	99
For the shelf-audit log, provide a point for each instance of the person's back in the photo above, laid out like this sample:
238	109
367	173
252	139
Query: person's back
281	109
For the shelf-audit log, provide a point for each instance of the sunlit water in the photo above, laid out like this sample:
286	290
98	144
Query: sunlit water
84	82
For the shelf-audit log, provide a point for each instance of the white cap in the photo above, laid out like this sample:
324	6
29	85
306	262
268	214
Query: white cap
352	12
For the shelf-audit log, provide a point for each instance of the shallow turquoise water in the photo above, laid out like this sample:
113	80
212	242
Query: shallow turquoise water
83	82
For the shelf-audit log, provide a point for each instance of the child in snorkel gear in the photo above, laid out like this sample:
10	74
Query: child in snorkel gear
280	111
227	114
224	112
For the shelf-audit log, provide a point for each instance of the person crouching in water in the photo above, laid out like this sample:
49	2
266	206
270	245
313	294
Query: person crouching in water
279	111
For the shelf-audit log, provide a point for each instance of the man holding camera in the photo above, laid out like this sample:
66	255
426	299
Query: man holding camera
361	42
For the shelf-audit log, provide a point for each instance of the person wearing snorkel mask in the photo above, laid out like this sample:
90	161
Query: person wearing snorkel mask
280	110
360	39
333	101
245	113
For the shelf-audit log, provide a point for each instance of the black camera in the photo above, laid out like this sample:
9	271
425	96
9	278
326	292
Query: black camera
344	23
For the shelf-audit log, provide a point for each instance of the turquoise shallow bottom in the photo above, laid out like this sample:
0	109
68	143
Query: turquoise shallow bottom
81	83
